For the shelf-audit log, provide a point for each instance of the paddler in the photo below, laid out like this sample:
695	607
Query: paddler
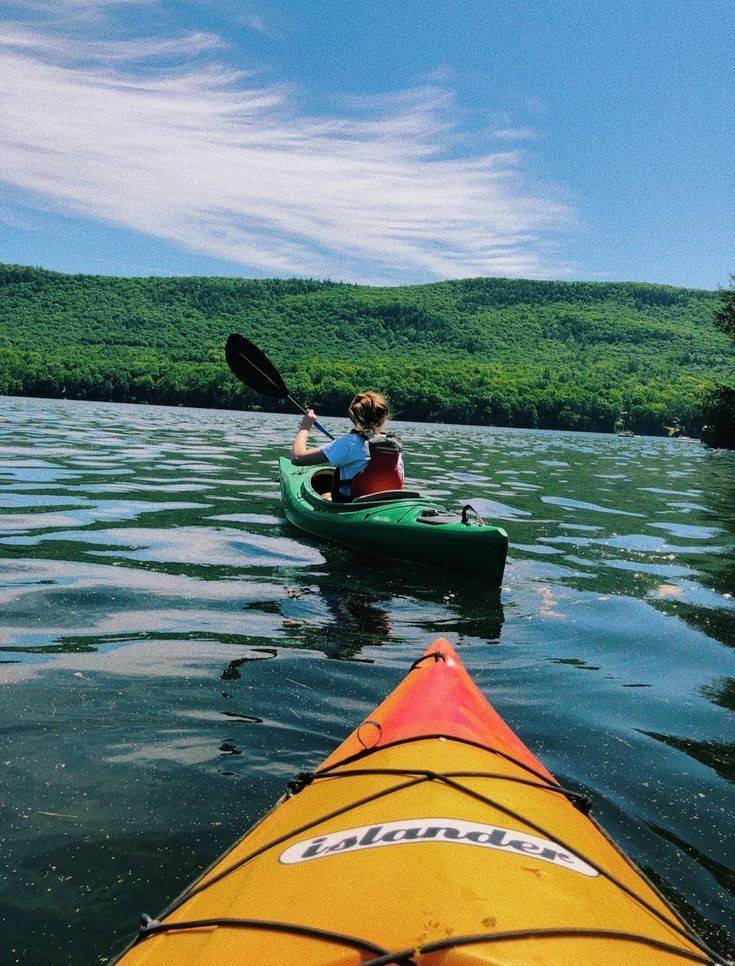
365	460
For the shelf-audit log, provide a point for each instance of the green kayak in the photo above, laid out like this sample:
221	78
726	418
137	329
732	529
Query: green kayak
399	523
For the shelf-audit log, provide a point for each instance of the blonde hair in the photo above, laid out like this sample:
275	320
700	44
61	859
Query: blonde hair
370	410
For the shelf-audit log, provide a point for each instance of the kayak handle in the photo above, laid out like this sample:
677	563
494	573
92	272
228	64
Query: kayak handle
468	507
432	656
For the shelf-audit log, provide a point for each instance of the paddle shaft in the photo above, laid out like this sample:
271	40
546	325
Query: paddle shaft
317	424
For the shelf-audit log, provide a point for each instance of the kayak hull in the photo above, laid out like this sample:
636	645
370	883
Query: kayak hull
394	529
431	837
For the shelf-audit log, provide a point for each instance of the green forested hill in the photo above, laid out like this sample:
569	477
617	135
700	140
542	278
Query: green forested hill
573	355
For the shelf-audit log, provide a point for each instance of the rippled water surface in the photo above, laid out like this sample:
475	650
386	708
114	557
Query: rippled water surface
172	651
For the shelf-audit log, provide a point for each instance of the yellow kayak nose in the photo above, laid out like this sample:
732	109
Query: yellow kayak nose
431	836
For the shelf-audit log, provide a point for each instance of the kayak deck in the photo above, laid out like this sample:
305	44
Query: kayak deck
411	527
430	836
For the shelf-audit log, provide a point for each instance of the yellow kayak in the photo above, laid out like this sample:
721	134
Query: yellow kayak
431	836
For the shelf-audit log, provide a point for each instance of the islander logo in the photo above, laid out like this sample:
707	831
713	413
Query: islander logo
434	830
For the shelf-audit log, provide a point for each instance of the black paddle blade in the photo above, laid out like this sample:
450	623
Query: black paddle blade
253	367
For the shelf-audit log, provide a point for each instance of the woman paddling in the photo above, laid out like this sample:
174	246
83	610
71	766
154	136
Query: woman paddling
364	460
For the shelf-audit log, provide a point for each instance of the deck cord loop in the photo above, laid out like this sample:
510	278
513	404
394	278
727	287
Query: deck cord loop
433	656
369	723
465	518
299	782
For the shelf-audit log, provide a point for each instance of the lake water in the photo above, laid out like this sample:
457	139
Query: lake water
172	651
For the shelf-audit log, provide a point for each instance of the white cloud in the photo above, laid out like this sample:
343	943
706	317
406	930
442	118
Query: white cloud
60	48
201	156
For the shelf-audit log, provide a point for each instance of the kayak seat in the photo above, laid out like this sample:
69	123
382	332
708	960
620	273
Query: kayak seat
383	496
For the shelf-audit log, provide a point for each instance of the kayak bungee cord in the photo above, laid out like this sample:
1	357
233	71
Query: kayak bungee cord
683	931
558	841
306	778
585	902
579	800
405	956
153	926
439	736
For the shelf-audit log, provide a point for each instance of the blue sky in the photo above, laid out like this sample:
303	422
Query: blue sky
370	141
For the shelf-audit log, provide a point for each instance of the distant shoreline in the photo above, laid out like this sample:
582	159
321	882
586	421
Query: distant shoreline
585	356
294	417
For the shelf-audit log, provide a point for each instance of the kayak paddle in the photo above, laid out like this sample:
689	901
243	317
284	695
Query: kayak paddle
253	367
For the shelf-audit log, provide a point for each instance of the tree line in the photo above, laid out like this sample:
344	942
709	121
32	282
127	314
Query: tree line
719	404
565	355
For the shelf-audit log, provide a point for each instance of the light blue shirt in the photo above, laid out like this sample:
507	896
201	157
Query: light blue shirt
350	453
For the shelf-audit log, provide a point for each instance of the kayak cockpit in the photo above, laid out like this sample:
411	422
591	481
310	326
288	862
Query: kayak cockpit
320	482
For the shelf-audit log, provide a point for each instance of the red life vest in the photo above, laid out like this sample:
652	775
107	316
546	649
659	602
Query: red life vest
383	472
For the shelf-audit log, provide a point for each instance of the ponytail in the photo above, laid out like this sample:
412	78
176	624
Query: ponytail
371	411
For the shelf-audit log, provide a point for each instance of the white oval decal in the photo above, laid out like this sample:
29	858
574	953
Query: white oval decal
452	830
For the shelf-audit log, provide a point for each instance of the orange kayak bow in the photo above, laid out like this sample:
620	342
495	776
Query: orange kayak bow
431	836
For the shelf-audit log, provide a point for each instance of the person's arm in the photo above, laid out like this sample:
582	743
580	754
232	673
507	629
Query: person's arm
301	455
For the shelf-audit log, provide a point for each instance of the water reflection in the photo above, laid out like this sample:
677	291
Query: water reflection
233	673
717	755
721	692
174	651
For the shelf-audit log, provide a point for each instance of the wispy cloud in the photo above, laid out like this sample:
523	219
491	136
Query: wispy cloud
513	133
202	156
64	13
256	23
75	7
60	48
